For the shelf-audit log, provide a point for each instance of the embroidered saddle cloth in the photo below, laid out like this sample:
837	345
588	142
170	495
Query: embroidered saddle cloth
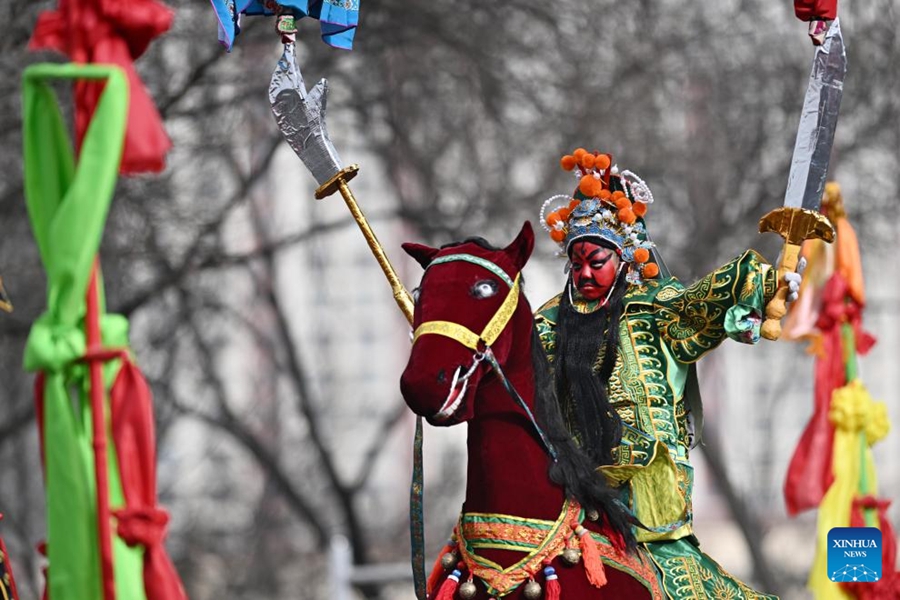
539	541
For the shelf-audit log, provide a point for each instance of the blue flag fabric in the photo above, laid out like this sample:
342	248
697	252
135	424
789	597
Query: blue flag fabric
337	18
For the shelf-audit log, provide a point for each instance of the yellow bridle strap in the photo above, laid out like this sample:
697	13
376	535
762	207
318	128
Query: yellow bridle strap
466	336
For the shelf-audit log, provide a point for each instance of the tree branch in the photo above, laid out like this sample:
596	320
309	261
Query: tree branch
175	276
228	422
16	423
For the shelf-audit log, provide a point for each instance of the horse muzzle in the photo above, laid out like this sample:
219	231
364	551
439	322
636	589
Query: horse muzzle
443	400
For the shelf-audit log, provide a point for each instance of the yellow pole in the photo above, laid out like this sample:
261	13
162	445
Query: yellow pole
339	182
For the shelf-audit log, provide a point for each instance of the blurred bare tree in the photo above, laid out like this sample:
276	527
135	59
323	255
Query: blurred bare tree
467	107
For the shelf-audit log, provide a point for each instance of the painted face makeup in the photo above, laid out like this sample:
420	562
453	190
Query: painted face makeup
594	269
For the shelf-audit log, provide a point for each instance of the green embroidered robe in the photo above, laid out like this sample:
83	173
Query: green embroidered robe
665	327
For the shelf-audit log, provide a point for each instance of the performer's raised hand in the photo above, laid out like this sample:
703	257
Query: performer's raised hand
817	31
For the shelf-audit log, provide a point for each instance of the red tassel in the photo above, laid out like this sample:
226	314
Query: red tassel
596	573
552	589
438	570
448	590
614	536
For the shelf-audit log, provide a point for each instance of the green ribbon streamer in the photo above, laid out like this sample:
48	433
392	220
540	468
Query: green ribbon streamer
848	339
68	203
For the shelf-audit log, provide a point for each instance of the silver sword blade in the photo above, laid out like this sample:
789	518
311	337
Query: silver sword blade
301	117
815	135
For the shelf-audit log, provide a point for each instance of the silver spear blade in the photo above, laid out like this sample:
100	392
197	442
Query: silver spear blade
812	150
301	117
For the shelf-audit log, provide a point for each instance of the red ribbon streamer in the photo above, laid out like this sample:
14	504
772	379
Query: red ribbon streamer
111	32
809	474
142	521
888	587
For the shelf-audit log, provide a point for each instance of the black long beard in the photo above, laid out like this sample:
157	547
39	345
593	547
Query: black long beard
580	387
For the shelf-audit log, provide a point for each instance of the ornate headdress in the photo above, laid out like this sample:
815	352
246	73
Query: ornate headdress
608	205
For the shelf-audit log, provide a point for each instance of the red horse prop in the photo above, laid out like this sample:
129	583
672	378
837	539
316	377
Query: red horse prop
538	520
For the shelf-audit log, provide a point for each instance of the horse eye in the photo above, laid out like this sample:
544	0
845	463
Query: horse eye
484	289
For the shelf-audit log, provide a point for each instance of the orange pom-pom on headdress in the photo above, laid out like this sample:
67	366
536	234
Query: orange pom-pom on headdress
641	255
650	270
590	186
587	160
639	208
568	162
578	154
557	235
622	202
602	162
626	215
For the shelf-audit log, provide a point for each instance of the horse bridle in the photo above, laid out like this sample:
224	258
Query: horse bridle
480	344
494	327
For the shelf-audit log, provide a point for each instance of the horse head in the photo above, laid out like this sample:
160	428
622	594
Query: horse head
467	314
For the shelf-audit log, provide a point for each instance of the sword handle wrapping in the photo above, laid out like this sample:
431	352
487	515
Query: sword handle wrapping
777	306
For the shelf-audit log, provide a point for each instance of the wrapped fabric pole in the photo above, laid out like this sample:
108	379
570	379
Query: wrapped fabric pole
63	199
68	205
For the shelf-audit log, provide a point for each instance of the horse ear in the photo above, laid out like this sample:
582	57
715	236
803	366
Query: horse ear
520	249
422	253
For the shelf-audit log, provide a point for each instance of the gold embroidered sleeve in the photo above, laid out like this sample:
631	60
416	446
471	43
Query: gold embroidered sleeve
729	302
545	323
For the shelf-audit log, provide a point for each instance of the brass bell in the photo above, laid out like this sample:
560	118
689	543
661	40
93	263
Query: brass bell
448	561
593	515
467	590
571	556
532	590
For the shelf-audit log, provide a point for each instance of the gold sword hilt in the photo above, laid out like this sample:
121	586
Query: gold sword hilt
795	225
339	183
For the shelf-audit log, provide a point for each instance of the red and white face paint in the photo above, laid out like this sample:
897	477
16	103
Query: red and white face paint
594	269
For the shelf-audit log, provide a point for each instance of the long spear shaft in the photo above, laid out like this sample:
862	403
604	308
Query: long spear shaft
339	183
